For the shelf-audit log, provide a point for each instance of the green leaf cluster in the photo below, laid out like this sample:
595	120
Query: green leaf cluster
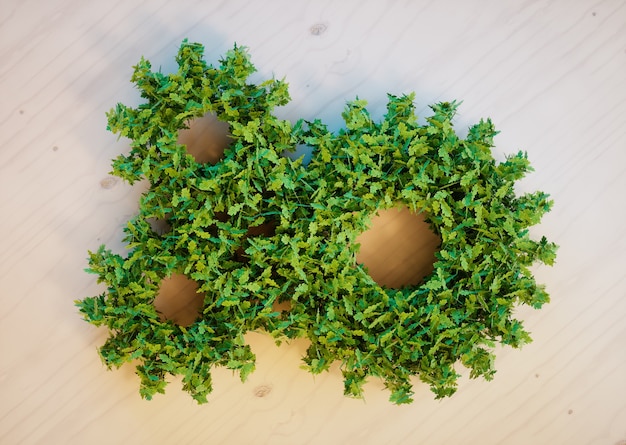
306	253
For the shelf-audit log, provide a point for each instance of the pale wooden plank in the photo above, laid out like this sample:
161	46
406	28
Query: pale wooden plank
550	73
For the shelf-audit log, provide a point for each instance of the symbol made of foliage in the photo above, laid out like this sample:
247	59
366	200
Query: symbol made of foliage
315	212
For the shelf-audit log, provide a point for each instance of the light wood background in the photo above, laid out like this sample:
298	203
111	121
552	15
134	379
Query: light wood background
552	76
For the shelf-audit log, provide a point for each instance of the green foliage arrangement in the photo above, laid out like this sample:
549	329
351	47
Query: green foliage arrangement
315	212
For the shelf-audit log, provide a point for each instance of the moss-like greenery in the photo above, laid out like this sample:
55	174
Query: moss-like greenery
306	255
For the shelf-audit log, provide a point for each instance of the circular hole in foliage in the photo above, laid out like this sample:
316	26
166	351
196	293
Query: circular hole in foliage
282	306
267	229
160	226
178	300
300	150
399	248
206	138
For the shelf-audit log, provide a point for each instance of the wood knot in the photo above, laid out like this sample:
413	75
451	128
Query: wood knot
318	29
262	390
108	182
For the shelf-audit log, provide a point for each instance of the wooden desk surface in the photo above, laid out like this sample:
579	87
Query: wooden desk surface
551	75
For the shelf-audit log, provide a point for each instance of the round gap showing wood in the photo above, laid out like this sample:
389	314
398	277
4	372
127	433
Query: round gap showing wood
398	249
281	306
267	229
178	300
300	151
206	138
160	226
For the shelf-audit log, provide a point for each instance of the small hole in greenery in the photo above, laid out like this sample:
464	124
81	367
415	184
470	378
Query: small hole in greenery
178	300
160	226
282	306
206	138
266	229
300	151
398	249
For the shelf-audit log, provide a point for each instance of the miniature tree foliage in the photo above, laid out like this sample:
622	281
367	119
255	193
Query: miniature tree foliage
307	257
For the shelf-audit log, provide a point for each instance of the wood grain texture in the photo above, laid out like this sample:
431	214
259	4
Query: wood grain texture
551	75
